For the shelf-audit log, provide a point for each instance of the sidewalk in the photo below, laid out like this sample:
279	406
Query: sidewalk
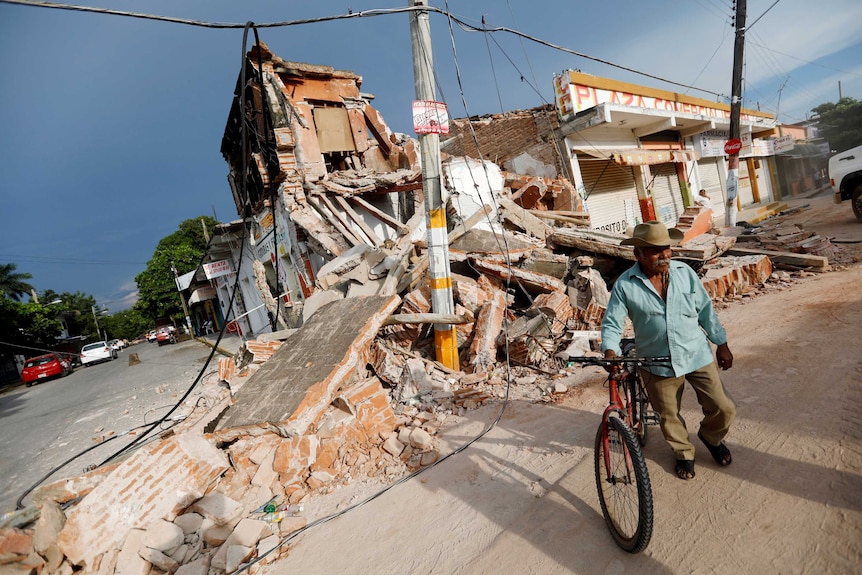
753	211
229	345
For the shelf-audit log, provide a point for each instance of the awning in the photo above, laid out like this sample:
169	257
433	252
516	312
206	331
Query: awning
685	156
185	280
804	151
202	294
642	156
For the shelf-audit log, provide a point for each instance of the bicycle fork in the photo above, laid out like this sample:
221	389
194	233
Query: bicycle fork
627	479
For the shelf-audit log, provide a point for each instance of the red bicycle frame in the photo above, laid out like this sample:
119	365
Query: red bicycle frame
622	405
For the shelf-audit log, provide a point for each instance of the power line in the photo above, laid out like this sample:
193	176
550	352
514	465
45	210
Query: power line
767	48
717	48
723	11
351	15
750	26
63	260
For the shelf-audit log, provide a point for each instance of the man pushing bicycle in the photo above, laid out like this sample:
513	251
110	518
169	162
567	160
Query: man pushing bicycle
673	316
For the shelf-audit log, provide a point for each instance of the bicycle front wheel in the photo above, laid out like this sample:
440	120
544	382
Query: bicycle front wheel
640	410
625	493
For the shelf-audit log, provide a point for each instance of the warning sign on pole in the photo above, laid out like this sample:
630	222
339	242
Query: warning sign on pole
430	117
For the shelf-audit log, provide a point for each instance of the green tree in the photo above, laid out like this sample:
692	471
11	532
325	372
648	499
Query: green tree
76	310
840	124
126	324
28	328
12	284
11	336
39	323
157	289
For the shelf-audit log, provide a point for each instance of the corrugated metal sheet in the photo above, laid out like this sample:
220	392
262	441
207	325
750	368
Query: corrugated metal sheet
612	199
666	192
713	183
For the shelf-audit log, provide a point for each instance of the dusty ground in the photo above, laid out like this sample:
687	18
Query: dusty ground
522	498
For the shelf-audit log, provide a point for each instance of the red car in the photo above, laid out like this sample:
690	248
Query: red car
44	367
165	334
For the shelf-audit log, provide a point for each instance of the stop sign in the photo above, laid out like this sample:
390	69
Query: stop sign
733	146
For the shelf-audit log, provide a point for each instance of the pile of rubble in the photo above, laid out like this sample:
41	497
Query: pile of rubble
216	491
307	411
349	390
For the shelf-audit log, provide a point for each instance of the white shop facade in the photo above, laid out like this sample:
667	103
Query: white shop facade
639	153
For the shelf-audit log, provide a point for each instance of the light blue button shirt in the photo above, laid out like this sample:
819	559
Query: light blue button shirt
681	328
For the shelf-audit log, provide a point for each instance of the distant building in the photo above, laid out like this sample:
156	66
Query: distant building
634	153
802	159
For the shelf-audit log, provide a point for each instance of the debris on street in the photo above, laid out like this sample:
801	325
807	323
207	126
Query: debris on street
340	392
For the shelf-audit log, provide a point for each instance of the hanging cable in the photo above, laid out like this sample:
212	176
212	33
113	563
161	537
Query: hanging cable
410	476
493	71
521	42
350	15
268	151
244	193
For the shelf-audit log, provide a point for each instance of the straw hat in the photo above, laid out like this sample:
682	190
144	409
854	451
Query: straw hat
653	234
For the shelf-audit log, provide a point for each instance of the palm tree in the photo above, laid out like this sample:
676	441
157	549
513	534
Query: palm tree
12	284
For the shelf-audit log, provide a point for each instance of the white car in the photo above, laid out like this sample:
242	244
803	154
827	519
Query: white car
845	176
97	352
117	344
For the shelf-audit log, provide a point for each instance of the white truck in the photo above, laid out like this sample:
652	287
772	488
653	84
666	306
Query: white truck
845	176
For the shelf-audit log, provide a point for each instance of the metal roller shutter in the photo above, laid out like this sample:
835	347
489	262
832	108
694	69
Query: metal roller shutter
666	193
711	181
612	199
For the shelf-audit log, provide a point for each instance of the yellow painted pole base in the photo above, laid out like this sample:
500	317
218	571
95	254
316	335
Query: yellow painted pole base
446	348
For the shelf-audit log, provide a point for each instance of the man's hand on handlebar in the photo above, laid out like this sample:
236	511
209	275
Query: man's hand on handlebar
613	368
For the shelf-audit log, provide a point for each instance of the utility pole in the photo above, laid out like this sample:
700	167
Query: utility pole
735	109
206	231
778	106
182	297
445	340
96	319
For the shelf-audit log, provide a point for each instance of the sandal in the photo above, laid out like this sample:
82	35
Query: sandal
685	468
719	452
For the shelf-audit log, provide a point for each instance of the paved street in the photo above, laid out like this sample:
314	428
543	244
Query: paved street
54	421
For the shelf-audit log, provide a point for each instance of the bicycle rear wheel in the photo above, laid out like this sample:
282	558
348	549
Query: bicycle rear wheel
625	493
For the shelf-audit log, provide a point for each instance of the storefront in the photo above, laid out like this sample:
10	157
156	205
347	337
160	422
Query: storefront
639	153
607	186
802	168
712	177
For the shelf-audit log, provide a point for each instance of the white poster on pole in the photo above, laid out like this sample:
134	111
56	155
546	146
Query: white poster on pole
430	117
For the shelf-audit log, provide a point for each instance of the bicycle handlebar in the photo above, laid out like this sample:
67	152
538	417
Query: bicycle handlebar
621	360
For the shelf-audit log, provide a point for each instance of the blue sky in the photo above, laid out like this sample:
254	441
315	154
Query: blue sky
110	126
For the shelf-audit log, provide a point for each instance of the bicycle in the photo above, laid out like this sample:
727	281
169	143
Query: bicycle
622	477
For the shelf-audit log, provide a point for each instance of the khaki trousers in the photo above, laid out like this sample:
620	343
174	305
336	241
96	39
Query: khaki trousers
665	395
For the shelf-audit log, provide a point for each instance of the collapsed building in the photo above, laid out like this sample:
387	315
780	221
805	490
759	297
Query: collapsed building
343	384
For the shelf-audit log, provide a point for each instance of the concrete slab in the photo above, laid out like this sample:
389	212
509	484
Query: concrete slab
292	389
483	242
